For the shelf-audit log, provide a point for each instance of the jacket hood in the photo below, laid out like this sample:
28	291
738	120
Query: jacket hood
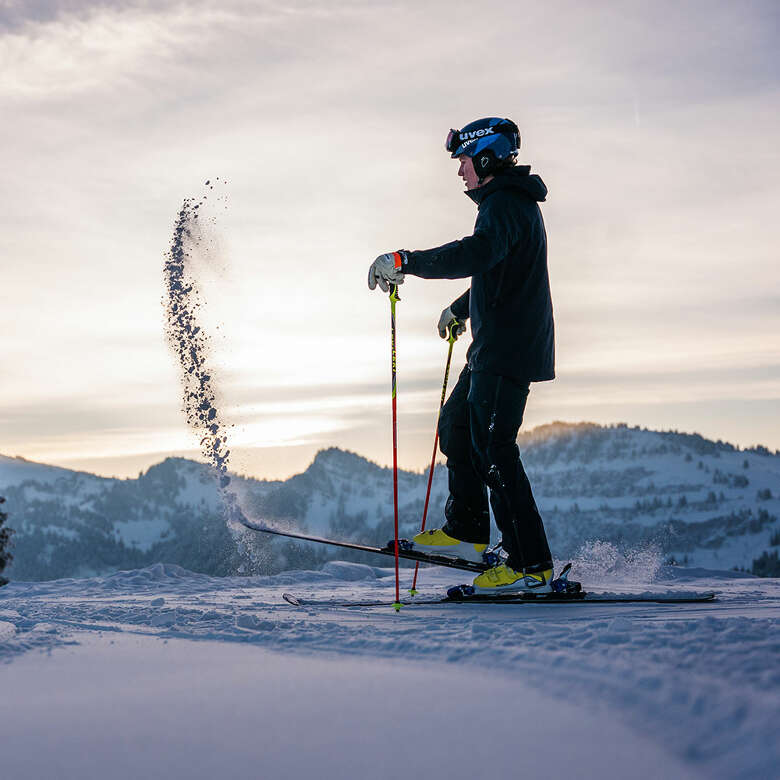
519	177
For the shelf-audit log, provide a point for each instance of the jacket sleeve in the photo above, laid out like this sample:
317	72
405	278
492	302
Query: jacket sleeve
460	306
494	234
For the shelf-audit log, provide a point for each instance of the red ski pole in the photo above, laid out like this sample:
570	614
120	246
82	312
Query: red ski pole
452	339
393	300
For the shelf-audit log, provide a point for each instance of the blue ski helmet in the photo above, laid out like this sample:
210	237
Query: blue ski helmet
487	141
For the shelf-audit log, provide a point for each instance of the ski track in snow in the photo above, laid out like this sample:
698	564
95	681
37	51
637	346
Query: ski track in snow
702	679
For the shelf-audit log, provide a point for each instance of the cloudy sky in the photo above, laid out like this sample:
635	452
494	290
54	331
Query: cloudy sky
654	125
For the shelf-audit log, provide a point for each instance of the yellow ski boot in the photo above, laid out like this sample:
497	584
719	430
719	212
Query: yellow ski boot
437	542
504	579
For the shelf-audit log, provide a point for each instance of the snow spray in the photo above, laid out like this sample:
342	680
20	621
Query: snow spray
190	344
604	562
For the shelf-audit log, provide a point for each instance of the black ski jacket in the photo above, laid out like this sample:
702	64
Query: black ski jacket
509	301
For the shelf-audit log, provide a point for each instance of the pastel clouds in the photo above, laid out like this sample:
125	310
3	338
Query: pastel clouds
654	128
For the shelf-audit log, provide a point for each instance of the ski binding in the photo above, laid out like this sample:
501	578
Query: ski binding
562	589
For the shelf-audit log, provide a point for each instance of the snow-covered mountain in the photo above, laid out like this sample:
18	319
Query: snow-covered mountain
629	490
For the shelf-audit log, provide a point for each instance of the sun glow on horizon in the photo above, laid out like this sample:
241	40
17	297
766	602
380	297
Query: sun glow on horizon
660	156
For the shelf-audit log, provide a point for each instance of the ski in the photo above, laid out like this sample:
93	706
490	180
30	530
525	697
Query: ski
520	598
581	597
389	549
564	591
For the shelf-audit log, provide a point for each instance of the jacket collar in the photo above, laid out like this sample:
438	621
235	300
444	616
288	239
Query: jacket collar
498	182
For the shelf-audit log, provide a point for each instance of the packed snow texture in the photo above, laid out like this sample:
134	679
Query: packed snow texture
162	672
646	494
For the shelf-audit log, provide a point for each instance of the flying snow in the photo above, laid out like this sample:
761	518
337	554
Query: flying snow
191	344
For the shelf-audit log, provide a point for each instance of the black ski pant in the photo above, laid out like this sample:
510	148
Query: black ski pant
478	433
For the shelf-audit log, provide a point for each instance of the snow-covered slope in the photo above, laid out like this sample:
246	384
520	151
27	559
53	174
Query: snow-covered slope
162	672
662	495
699	502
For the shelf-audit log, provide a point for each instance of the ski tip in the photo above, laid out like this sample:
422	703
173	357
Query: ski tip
290	599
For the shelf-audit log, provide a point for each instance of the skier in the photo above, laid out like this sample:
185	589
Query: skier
511	314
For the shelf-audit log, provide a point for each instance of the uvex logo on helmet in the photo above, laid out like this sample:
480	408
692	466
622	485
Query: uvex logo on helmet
472	134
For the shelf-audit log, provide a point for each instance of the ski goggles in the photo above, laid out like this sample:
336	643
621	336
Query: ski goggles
507	128
452	142
458	138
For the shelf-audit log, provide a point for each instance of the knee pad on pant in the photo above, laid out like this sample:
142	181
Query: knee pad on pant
498	464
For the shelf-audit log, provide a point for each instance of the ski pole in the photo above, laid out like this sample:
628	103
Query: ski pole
393	300
452	338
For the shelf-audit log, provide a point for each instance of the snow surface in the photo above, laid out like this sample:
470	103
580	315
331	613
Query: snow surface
160	672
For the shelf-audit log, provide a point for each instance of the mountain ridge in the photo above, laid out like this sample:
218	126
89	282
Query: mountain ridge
541	433
692	500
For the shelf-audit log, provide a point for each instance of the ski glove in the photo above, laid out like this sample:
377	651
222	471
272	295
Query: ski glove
446	319
386	270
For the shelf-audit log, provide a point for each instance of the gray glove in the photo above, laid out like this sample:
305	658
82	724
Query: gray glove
447	317
384	273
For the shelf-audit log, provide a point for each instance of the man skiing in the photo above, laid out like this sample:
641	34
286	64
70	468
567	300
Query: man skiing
510	308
